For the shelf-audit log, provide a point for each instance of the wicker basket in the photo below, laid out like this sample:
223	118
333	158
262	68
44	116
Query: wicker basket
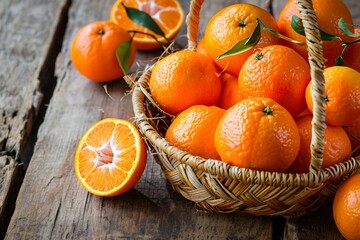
219	187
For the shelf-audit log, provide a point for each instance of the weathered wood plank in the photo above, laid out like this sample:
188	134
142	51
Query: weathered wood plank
319	225
26	30
61	208
9	184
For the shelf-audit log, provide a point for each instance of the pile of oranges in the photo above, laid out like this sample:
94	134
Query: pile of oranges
263	94
252	109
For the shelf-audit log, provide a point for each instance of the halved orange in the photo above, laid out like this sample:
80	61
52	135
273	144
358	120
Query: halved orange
110	157
168	14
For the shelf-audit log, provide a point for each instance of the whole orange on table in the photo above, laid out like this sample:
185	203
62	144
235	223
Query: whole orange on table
168	14
110	157
346	208
183	79
337	147
328	14
342	93
193	130
258	133
231	25
93	51
279	73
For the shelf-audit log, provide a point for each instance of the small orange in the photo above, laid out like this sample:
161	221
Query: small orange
354	134
168	14
346	208
276	72
93	51
110	157
326	21
342	89
258	133
337	146
200	47
231	25
230	92
352	53
193	130
183	79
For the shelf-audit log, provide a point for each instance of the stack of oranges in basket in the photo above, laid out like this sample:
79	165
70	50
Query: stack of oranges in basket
263	93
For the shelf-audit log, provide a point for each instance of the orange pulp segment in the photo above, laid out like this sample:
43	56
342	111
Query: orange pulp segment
110	157
168	14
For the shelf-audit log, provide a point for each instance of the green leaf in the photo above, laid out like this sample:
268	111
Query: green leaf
240	47
327	36
123	53
343	26
255	36
143	19
340	61
277	34
296	24
243	45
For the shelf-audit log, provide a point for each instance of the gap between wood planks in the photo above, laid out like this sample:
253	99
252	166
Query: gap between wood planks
47	85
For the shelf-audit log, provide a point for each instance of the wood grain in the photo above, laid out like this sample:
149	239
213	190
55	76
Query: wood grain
25	42
9	185
61	208
26	31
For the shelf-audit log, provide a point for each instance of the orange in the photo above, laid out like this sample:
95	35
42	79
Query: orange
337	146
93	51
346	208
193	131
200	47
276	72
231	25
354	134
258	133
342	89
230	92
352	53
327	22
168	14
110	157
183	79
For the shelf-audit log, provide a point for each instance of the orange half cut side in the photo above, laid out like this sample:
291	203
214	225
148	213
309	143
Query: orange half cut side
110	157
168	14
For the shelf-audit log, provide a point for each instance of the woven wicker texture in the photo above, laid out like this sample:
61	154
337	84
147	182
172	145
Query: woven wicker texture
216	186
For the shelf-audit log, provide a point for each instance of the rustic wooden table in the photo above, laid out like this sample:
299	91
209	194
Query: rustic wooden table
45	107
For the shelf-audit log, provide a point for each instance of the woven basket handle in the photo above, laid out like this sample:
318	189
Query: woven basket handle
316	62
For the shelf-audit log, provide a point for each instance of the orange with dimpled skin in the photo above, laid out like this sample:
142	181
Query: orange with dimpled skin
258	133
183	79
231	25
